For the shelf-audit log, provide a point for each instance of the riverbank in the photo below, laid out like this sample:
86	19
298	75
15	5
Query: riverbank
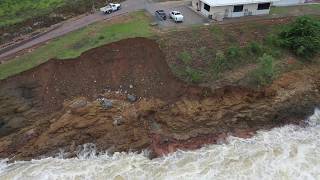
288	152
122	100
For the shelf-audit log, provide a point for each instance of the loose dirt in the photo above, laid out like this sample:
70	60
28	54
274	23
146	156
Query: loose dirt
58	105
135	66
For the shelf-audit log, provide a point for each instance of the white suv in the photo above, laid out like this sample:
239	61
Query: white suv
176	16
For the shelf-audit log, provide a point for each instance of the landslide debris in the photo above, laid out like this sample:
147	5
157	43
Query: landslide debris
123	96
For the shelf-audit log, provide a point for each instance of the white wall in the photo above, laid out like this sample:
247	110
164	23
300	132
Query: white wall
203	11
227	11
195	3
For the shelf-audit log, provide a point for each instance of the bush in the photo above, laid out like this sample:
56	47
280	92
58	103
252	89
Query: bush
202	51
185	57
254	49
193	75
265	72
220	63
233	52
224	62
272	40
302	37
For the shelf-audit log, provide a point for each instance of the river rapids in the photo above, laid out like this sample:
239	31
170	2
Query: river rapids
290	152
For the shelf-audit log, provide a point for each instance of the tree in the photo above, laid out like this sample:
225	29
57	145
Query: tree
302	37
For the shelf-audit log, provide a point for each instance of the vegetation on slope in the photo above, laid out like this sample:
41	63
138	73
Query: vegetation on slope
253	53
15	11
302	37
18	17
73	44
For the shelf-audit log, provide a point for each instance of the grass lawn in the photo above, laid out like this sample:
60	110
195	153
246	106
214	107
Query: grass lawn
19	11
308	9
14	11
75	43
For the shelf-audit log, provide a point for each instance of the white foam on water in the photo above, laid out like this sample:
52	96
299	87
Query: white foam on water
289	152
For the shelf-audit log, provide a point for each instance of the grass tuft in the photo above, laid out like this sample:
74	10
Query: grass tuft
185	57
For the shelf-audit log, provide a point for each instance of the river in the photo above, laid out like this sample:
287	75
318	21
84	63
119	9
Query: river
290	152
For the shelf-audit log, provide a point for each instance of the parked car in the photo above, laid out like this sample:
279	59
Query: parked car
161	15
111	7
176	16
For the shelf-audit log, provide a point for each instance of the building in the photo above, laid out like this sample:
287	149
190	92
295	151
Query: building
220	9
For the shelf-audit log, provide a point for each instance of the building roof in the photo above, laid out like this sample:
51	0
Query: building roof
234	2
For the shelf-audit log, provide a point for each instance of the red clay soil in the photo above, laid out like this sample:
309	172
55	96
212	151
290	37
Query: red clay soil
117	66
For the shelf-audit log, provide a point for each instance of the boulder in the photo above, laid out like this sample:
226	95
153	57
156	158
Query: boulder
118	120
132	98
105	103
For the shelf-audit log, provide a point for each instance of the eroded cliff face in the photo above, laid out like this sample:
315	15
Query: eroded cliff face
167	114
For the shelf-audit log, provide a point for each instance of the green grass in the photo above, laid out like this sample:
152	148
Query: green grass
216	30
217	33
315	6
185	57
75	43
307	9
14	11
279	10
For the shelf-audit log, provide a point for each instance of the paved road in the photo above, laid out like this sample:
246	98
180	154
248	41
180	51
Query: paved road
72	25
190	17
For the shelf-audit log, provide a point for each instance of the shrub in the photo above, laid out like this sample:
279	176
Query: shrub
224	62
265	72
233	52
193	75
202	51
254	49
185	57
272	40
273	51
220	63
101	37
302	36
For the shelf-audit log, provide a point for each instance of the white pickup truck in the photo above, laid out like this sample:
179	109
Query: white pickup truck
111	7
176	16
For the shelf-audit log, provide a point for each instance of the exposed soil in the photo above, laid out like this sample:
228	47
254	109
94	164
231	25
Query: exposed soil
120	66
109	67
58	105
